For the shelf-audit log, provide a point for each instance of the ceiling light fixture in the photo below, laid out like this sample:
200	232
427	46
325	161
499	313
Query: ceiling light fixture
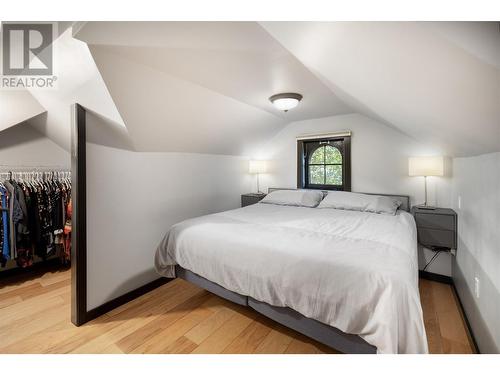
285	101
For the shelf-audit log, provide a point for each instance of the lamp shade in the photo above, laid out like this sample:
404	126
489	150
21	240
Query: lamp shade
426	166
257	166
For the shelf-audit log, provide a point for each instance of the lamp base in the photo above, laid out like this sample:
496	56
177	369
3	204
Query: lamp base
425	207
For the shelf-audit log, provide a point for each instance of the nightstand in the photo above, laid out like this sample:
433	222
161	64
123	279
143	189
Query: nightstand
251	198
437	228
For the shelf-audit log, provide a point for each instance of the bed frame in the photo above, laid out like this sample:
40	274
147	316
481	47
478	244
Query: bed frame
323	333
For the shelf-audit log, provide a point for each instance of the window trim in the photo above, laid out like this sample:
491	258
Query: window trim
302	163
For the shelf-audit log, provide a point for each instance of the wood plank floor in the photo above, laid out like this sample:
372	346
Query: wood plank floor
179	318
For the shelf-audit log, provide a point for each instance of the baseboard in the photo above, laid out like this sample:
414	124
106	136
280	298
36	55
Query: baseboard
133	294
435	277
448	280
467	323
123	299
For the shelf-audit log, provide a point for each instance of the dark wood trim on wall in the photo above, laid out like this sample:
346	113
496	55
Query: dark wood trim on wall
435	277
448	280
79	217
300	162
79	313
347	156
127	297
467	322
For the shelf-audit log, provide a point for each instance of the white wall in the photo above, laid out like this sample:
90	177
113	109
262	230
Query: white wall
379	162
379	158
22	145
477	184
132	200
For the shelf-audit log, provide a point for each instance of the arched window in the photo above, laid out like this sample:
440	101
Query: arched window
325	166
324	163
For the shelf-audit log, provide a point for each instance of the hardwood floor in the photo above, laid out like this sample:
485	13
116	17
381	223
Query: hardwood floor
179	318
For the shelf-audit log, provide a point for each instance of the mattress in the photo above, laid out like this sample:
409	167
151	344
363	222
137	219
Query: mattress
355	271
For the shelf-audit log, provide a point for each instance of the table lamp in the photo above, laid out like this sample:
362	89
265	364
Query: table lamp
257	167
426	166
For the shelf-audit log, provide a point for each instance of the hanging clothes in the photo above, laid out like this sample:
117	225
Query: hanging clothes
23	254
13	216
67	228
4	226
33	219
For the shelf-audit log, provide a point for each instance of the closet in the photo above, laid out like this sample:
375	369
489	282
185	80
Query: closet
35	217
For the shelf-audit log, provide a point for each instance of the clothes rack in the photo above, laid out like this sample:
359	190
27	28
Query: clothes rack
35	216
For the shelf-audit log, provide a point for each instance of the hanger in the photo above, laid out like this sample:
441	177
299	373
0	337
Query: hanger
37	177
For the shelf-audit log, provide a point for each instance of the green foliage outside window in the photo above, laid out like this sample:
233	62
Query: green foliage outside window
325	166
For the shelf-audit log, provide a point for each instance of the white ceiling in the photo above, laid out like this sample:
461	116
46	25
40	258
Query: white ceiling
17	106
165	113
79	81
478	38
440	90
236	59
204	86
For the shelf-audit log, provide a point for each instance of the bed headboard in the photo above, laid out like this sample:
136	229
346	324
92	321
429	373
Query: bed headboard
404	199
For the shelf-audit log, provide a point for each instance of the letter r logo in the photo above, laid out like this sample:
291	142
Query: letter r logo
27	49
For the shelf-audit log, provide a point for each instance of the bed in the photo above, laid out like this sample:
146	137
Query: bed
345	278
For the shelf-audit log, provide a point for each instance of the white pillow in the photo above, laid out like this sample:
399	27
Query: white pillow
301	198
344	200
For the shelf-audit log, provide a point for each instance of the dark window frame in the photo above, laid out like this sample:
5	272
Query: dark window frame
305	148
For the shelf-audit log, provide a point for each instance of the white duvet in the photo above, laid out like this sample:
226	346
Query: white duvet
355	271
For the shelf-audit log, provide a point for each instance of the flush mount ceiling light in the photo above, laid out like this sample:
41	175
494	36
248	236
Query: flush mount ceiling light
285	101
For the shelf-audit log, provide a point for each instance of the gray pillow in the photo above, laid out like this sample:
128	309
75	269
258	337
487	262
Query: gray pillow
344	200
300	198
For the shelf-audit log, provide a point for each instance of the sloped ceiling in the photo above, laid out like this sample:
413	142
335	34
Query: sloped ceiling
439	83
478	38
79	81
170	114
202	86
17	106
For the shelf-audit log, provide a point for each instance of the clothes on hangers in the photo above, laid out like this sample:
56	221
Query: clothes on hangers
13	215
34	220
67	228
4	226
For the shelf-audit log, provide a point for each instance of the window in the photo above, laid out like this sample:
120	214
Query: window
324	163
325	166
